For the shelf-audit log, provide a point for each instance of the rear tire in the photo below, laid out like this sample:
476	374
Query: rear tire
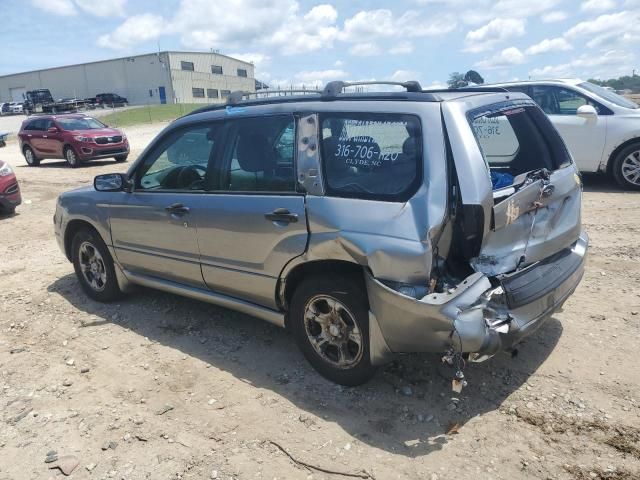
71	157
94	266
121	158
30	157
329	318
626	167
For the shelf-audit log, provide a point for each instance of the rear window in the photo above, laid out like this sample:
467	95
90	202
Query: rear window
371	156
516	140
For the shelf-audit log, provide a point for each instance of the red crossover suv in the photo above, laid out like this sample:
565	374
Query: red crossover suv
9	190
75	137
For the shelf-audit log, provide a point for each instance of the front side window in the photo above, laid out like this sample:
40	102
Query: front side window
371	155
198	92
561	101
181	161
260	155
242	72
186	66
515	140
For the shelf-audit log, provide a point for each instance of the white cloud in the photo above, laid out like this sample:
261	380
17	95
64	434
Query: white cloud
609	64
555	16
135	29
401	48
549	45
603	23
506	58
518	8
598	5
404	75
319	77
368	25
57	7
497	30
338	63
314	30
366	49
103	8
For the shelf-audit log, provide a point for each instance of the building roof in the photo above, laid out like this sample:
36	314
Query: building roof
124	58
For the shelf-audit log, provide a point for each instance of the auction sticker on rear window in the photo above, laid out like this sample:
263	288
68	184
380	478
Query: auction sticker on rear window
370	154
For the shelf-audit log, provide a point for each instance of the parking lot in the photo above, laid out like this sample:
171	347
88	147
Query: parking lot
162	387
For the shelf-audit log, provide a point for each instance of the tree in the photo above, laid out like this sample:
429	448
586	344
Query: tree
473	77
458	80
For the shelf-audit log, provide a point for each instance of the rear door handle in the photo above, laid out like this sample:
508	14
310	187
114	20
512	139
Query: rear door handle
281	215
177	209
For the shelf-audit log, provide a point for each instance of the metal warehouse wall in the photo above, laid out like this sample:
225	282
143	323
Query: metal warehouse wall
137	78
201	77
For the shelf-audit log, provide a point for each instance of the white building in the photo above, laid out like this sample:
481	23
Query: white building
163	77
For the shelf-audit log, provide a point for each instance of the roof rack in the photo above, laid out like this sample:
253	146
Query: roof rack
237	96
466	89
332	89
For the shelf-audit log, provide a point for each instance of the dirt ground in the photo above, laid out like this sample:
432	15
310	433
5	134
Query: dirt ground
162	387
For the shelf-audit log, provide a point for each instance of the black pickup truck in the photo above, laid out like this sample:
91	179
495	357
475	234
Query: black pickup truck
41	101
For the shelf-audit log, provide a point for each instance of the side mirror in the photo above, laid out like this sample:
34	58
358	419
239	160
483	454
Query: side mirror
52	129
587	112
111	182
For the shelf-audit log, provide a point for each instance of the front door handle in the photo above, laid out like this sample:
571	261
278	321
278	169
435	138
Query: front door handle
281	215
177	209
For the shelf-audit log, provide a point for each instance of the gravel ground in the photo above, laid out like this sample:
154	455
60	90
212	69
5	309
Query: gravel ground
162	387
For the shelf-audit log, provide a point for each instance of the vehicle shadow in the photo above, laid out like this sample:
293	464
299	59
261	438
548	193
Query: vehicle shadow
384	413
64	164
597	182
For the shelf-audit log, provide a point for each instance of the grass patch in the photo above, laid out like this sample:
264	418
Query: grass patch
148	114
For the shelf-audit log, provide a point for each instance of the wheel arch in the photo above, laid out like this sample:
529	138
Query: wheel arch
288	284
617	150
73	227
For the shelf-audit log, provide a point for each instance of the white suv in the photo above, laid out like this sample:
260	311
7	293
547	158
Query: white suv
600	127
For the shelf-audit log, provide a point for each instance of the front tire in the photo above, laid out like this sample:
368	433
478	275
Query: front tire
121	158
94	266
71	157
329	318
626	167
30	157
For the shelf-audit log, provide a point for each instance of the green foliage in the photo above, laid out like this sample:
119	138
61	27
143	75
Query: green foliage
626	82
459	80
148	114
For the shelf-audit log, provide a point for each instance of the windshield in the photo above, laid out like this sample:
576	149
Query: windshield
86	123
608	95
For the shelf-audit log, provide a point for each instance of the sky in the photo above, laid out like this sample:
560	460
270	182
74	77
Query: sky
296	42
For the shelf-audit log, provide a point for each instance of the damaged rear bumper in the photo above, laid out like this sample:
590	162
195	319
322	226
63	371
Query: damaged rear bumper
478	317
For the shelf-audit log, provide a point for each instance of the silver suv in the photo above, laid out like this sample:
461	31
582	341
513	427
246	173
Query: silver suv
368	224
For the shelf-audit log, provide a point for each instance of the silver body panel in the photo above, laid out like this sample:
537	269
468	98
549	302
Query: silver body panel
224	251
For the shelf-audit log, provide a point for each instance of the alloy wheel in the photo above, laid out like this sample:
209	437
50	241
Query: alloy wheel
71	156
28	155
631	168
92	266
333	332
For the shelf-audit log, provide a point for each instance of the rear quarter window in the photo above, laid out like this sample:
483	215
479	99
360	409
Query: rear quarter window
371	155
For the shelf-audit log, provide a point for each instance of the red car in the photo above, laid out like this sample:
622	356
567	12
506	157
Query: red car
10	196
75	137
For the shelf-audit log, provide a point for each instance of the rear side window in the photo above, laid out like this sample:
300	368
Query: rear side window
371	155
516	140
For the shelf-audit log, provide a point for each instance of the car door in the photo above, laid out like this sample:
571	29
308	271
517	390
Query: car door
154	227
50	143
253	221
585	137
34	136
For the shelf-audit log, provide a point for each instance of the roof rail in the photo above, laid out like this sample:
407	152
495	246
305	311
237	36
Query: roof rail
332	89
466	89
237	96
